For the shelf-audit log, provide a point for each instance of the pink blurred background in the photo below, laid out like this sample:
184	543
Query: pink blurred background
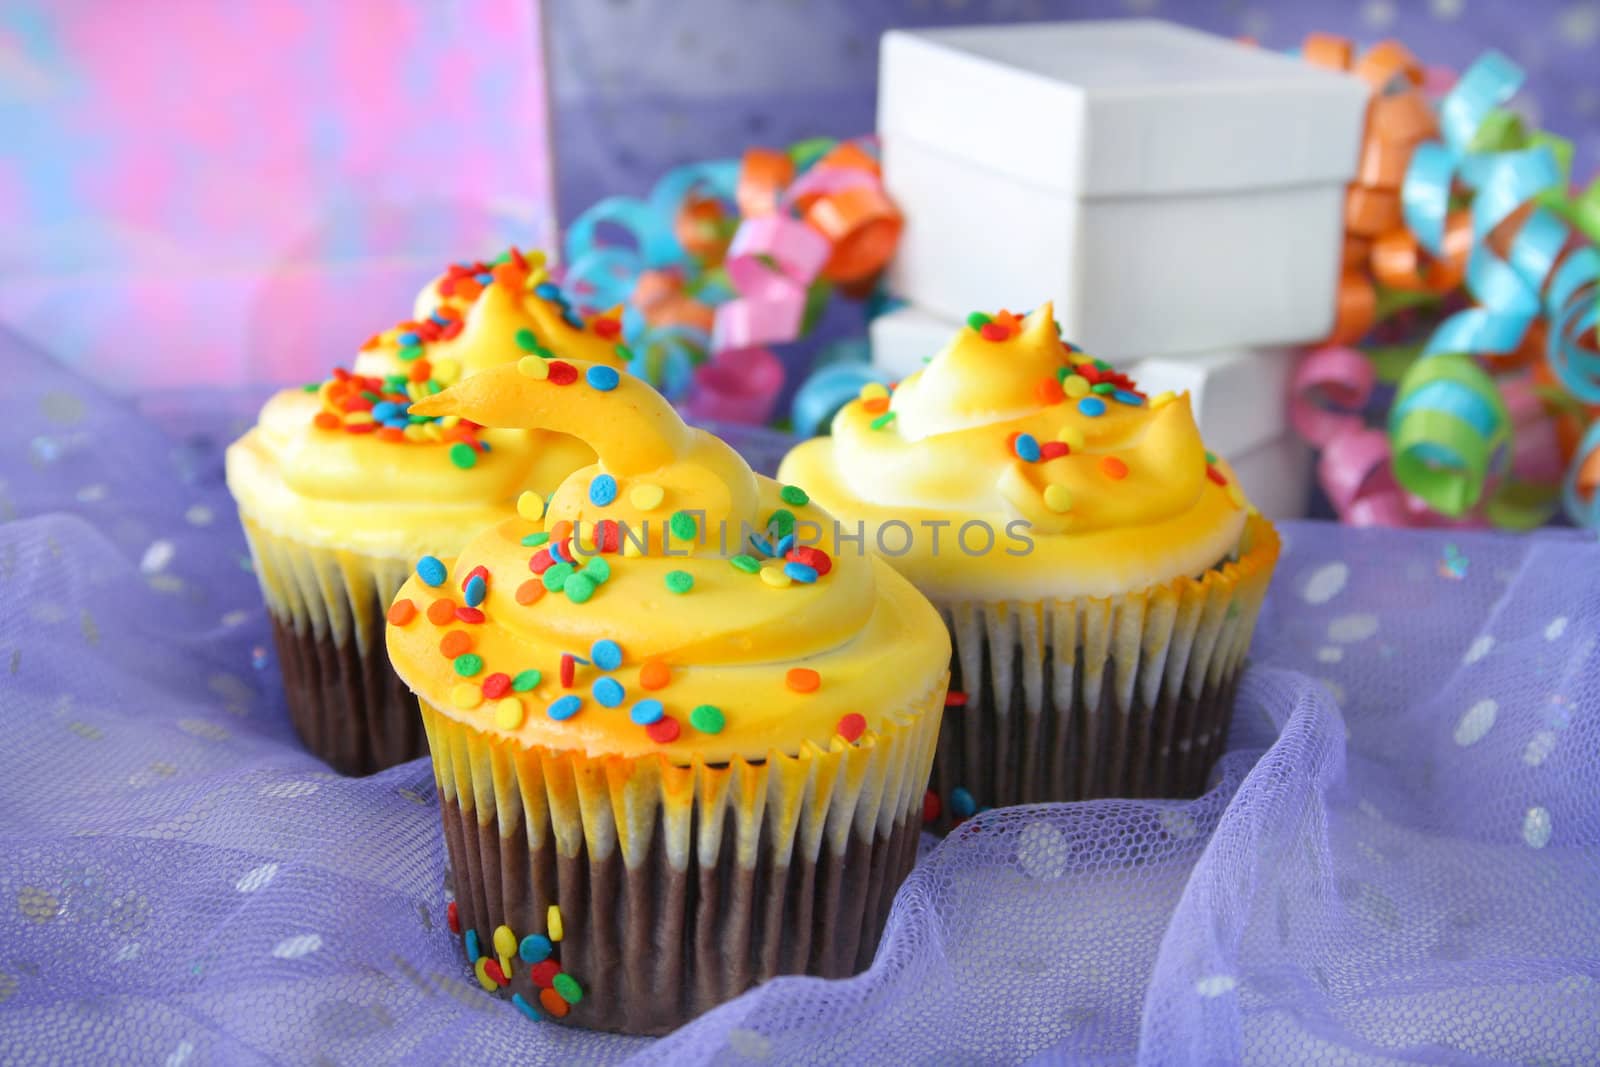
186	181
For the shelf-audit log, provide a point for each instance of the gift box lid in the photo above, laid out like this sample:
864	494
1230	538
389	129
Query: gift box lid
1135	107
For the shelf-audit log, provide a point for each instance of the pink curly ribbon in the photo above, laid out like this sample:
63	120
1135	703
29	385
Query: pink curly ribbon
772	262
738	386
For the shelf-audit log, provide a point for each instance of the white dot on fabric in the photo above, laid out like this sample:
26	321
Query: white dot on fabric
157	556
1348	629
235	618
1378	14
91	494
749	1044
1536	828
1540	745
180	1055
1476	722
1215	985
289	790
256	878
1445	10
199	515
1579	24
210	731
297	946
1330	654
1557	627
1326	583
1480	648
1042	851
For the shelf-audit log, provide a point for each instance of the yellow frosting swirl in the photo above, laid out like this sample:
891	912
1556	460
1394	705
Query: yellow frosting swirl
1011	439
305	472
652	566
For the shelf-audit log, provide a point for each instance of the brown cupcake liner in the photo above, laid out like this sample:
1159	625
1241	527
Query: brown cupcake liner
678	887
1126	696
328	609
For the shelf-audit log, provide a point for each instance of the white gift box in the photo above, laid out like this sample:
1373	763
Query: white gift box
1239	395
1276	476
1171	191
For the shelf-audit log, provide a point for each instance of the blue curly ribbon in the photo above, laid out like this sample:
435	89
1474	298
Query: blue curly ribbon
1583	512
1511	293
821	396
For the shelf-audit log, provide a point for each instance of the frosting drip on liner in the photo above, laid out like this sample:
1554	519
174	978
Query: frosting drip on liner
731	637
1007	424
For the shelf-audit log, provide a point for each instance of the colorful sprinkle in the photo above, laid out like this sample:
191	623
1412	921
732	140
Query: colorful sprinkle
401	612
794	496
562	373
533	367
1026	447
1122	396
1053	450
473	951
496	685
597	570
535	948
1057	498
525	1008
551	1002
466	696
544	972
1102	388
800	572
654	674
748	564
1071	436
679	582
604	379
607	654
526	680
441	612
468	664
803	680
852	726
646	497
646	711
663	732
930	806
552	922
476	590
707	718
773	574
1092	406
1075	386
579	588
1216	476
463	455
555	578
882	420
1048	391
505	942
955	698
568	987
455	643
452	917
569	669
608	692
564	707
431	571
531	505
530	591
508	713
993	331
978	320
602	490
962	806
683	526
1114	468
480	968
534	540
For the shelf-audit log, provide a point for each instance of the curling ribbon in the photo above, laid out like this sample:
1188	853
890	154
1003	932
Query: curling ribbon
830	388
1451	437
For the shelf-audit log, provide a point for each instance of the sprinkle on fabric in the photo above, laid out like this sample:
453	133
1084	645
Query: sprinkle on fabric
401	612
431	571
608	692
525	680
654	674
852	726
679	582
1114	468
664	731
1092	406
564	708
646	711
707	718
803	680
530	591
603	379
794	496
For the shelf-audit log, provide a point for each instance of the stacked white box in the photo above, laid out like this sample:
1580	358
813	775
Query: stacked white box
1171	191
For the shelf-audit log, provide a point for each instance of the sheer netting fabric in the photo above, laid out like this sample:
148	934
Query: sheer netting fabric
1398	859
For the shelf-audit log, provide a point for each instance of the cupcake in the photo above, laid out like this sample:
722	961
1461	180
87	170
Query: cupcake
340	490
676	754
1099	570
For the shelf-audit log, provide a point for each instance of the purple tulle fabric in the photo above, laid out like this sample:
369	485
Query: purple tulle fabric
1399	859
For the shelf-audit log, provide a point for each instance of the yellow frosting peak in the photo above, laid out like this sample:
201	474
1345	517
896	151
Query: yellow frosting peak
1083	484
646	453
667	599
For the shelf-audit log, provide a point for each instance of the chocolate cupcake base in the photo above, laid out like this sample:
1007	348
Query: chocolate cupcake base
632	894
658	946
349	707
1127	696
